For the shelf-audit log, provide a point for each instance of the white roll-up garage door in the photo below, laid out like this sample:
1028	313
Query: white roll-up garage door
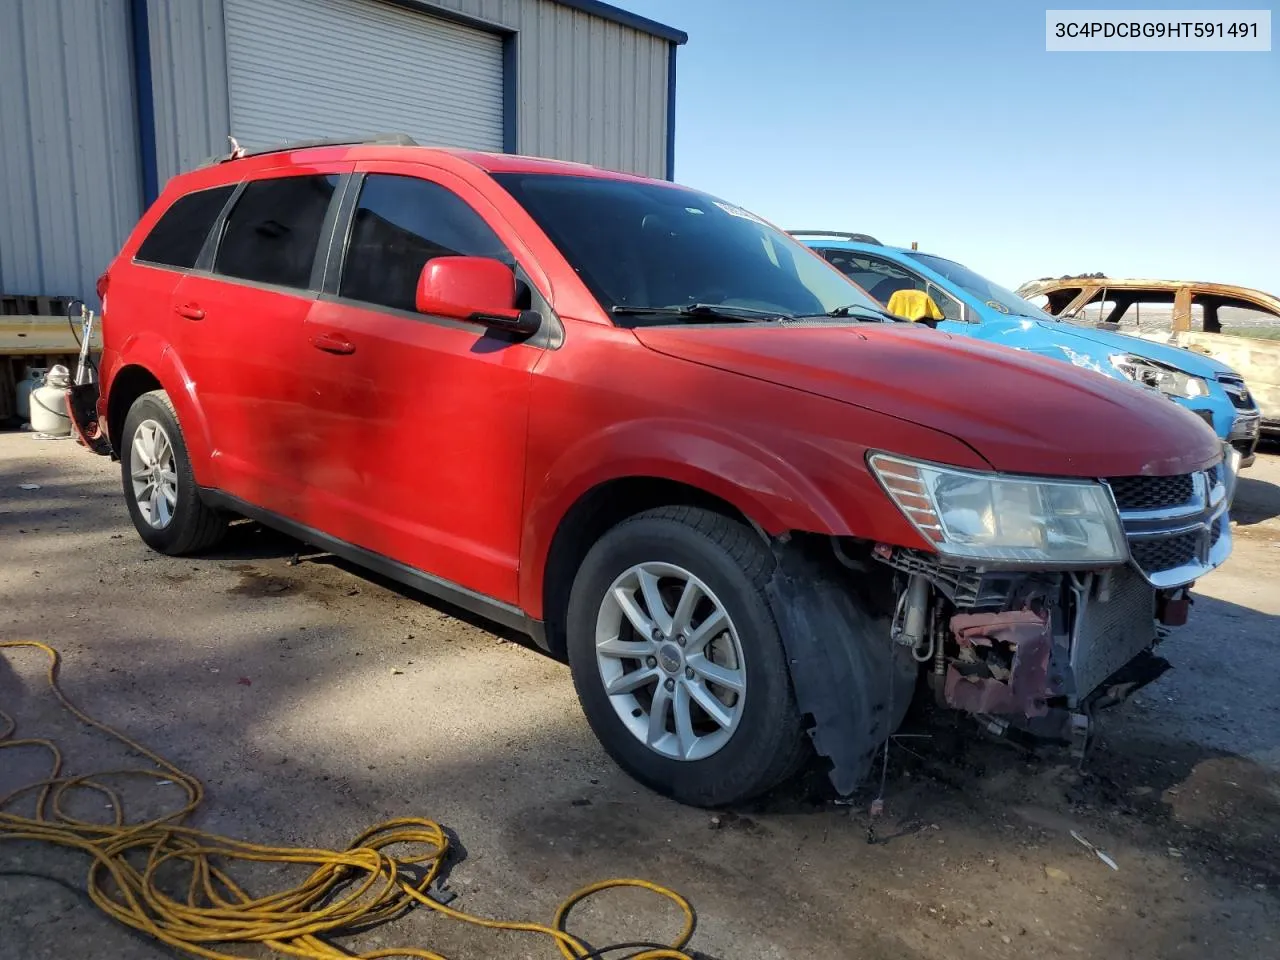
299	69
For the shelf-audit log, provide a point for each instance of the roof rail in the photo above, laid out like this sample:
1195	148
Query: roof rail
378	139
855	237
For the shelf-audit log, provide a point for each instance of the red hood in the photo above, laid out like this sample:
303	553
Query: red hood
1022	413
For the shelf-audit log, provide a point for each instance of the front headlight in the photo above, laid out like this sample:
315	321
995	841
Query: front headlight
985	516
1160	377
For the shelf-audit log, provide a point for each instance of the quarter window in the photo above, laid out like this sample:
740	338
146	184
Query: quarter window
274	230
179	235
949	305
400	224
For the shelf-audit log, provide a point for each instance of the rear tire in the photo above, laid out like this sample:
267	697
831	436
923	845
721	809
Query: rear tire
159	485
749	737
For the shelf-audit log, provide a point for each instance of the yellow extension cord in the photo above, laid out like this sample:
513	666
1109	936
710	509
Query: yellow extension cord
216	910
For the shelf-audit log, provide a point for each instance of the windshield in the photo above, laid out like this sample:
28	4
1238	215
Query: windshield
638	245
992	294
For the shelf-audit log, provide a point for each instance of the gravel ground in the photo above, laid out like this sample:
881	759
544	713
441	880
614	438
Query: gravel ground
314	700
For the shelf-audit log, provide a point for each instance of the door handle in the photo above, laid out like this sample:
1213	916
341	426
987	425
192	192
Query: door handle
333	343
190	311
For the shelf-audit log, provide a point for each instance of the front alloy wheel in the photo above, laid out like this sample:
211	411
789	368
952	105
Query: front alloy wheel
671	661
677	660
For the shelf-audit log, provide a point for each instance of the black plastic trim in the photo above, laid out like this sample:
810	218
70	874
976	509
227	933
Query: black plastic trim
377	139
838	235
497	611
333	219
204	262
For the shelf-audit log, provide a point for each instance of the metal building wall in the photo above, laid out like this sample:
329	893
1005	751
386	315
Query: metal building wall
189	103
586	88
589	89
70	187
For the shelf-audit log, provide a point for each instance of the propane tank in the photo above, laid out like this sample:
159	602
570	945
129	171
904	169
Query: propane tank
28	383
49	415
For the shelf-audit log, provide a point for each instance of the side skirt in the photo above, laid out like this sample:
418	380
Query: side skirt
454	594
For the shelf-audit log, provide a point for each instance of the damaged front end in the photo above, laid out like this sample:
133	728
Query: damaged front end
1039	651
1023	644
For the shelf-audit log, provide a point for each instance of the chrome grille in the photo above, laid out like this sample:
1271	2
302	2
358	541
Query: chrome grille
1166	553
1177	527
1152	493
1237	391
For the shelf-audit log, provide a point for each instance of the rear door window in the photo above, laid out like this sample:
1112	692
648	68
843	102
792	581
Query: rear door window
401	223
273	232
180	233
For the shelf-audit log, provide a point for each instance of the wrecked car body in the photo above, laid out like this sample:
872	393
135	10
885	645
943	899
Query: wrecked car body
1238	326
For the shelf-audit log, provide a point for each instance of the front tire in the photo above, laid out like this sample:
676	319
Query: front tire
677	660
159	485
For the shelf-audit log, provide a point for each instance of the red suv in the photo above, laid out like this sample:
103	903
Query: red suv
672	444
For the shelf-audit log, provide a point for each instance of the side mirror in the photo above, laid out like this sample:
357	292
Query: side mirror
475	289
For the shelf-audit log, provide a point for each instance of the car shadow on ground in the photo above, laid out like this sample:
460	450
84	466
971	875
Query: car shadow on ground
1256	501
248	541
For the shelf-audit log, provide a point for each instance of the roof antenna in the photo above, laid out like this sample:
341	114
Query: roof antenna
914	245
237	151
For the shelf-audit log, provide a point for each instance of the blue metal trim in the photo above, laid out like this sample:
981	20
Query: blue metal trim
145	101
511	93
607	11
671	111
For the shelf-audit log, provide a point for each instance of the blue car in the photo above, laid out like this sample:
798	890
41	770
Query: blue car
973	306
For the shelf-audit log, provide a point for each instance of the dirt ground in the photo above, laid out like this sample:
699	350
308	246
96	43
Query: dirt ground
314	700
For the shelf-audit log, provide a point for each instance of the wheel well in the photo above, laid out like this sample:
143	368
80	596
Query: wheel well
595	512
126	387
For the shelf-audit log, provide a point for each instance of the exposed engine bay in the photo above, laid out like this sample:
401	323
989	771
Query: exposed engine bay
1036	651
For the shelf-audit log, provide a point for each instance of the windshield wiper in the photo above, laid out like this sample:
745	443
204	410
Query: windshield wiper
858	311
703	312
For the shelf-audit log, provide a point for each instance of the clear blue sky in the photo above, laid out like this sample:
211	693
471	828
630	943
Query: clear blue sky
948	123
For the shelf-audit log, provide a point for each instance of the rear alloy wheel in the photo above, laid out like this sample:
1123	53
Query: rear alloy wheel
155	479
159	485
677	660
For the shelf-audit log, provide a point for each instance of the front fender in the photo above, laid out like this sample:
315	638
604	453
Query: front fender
759	483
157	357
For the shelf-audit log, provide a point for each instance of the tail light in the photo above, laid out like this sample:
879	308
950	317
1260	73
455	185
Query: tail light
104	281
